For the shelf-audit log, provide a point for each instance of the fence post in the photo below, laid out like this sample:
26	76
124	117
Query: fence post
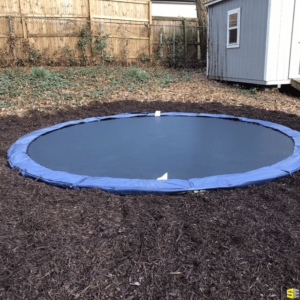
23	21
185	41
174	43
12	38
90	14
150	30
198	43
161	54
101	32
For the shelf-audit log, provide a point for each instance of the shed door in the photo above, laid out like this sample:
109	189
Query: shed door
295	51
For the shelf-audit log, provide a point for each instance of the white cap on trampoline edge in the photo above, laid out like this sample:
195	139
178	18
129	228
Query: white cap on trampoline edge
164	177
157	113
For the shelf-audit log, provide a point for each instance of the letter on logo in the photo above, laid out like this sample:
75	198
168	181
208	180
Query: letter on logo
293	293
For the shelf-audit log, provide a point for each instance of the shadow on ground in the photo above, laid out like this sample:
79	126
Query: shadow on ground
290	91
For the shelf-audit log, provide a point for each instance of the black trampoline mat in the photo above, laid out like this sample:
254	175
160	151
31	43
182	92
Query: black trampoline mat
148	147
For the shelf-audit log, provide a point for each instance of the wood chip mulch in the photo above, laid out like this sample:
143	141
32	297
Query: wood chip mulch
88	244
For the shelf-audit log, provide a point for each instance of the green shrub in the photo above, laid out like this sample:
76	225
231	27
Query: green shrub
40	73
132	72
137	75
142	75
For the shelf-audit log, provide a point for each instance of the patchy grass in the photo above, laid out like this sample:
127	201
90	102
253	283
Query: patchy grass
24	89
76	86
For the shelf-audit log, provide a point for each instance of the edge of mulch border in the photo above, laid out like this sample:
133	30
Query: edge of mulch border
18	158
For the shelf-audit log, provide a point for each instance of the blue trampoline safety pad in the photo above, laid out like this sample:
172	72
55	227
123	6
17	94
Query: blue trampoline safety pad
207	162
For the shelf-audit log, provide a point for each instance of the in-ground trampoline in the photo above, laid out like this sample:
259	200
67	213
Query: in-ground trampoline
129	153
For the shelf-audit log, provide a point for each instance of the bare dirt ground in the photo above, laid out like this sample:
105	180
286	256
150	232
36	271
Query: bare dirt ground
88	244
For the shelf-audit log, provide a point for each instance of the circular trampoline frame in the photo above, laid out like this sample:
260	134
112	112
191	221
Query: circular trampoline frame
18	158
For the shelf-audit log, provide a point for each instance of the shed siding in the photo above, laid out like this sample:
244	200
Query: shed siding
247	62
280	37
294	71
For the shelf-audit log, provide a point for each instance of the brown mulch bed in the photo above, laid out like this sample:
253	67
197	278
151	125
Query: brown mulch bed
89	244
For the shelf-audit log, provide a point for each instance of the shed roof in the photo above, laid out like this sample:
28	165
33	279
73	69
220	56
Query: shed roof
212	2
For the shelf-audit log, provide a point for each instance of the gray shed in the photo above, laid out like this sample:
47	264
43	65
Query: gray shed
254	41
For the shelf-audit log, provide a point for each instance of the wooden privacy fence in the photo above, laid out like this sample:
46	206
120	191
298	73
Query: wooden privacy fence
47	27
60	41
120	10
177	40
